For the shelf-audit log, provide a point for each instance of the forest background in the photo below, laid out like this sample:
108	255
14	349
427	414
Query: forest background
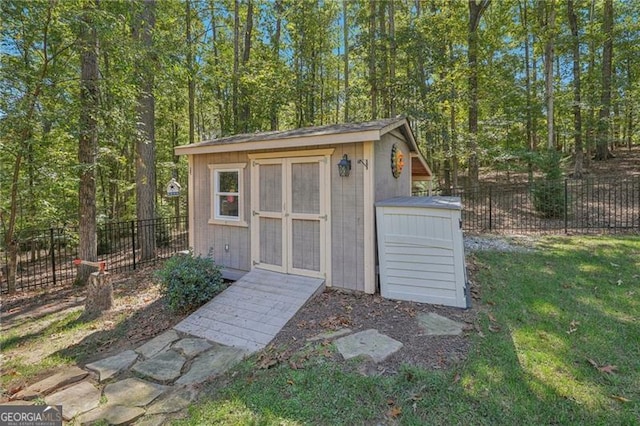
95	94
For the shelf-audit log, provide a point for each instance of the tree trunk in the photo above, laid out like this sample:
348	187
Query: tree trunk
246	54
549	50
273	107
577	110
191	82
88	143
99	294
451	166
475	13
221	101
145	143
373	89
524	18
602	151
382	56
345	36
392	59
236	65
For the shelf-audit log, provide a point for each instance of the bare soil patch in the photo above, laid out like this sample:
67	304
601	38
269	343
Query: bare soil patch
337	309
624	165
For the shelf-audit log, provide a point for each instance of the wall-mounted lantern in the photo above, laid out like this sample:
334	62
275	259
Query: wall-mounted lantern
344	166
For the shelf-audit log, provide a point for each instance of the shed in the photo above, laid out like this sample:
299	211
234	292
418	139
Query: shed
421	250
300	201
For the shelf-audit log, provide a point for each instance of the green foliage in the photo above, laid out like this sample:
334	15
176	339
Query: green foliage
548	192
189	281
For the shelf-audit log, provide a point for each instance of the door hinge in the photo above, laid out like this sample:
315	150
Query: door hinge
255	213
325	217
255	263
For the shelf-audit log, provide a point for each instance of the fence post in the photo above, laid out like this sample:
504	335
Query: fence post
133	242
490	209
566	205
53	256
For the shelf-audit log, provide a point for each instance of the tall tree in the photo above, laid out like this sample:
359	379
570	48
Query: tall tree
548	15
245	111
145	143
191	81
345	41
476	9
373	83
577	99
602	150
88	139
236	66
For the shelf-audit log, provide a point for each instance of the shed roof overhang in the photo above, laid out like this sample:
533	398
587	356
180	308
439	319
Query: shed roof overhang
315	136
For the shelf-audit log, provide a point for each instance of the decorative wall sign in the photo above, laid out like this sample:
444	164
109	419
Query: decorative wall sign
173	188
397	161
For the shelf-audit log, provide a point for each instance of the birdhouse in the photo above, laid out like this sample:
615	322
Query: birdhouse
173	188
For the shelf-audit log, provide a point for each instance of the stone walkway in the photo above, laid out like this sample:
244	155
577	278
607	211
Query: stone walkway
146	385
156	379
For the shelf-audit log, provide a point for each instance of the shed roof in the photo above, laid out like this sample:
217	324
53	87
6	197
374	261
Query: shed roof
313	136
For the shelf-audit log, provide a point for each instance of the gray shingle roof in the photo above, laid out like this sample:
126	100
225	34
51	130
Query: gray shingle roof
303	132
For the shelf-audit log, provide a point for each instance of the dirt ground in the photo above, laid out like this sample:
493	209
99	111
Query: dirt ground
624	165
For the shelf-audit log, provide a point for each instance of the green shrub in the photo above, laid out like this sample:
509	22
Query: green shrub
548	192
188	282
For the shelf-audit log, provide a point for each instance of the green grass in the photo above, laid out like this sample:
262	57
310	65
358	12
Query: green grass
547	316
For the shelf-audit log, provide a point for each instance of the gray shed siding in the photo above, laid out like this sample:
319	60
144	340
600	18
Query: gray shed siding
347	220
387	186
346	212
214	237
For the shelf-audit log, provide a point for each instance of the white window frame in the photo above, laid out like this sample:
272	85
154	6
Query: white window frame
216	218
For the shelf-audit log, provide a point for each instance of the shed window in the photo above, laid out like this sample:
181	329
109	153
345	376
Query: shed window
227	198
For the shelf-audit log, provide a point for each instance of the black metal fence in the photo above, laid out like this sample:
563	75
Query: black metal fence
580	206
45	256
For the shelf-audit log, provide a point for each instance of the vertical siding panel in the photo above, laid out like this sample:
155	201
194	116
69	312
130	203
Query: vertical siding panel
208	236
386	185
360	232
337	224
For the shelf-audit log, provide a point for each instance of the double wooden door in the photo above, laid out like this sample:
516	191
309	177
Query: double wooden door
289	220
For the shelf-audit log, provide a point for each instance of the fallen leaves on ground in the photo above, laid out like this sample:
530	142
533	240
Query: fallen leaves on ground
609	369
620	398
336	322
573	326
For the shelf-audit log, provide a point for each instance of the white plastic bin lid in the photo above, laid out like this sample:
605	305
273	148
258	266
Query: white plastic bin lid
435	202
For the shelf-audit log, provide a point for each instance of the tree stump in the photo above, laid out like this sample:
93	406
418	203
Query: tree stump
99	293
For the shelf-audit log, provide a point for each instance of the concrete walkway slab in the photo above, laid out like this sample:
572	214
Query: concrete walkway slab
368	343
109	367
250	313
437	325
